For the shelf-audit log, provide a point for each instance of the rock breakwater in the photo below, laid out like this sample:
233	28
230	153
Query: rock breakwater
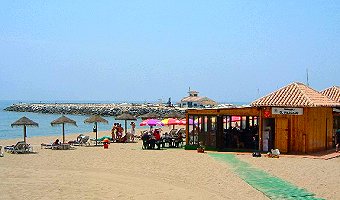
92	109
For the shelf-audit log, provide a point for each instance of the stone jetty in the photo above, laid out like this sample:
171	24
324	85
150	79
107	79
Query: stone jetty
93	109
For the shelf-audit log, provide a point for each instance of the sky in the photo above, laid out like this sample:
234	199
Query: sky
141	50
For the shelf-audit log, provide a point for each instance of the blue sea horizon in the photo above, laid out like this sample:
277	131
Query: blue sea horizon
44	120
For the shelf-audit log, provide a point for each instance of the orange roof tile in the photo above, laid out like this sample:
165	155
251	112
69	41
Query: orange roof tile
333	93
295	95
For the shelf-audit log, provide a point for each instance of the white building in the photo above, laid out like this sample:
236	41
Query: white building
195	101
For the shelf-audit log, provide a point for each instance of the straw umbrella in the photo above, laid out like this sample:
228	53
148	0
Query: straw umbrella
63	120
174	114
125	117
150	115
24	121
96	119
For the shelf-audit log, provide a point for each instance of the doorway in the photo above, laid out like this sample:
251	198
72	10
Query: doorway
268	134
282	133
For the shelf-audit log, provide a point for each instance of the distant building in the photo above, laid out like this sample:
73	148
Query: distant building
195	101
333	93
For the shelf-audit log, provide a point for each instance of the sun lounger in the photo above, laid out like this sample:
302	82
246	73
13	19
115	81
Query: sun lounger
81	140
100	140
63	146
1	154
19	147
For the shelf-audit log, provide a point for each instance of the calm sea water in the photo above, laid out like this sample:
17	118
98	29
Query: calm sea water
44	120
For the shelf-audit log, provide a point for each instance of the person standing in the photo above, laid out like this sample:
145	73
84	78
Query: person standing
337	139
113	132
133	131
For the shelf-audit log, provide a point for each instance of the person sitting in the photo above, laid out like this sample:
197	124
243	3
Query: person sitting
56	142
145	138
178	140
157	137
166	139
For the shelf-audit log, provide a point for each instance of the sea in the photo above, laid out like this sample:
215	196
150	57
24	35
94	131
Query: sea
44	121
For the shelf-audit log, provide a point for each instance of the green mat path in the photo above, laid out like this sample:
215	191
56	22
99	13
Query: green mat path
273	187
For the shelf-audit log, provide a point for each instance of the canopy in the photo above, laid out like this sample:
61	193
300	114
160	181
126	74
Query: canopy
96	119
125	117
151	123
24	121
63	120
174	114
170	121
150	115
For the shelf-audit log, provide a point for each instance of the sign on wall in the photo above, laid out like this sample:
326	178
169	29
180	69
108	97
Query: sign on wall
287	111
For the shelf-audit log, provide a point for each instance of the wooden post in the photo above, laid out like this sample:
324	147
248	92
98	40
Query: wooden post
125	127
25	133
187	129
259	124
219	132
95	124
63	133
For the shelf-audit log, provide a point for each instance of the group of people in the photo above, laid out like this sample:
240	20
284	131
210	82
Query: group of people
152	139
117	133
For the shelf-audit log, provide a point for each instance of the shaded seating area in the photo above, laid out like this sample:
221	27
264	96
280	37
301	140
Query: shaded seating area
173	139
20	147
151	141
57	146
230	129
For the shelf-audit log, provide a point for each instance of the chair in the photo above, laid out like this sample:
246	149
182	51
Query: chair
19	147
179	139
1	154
81	140
170	139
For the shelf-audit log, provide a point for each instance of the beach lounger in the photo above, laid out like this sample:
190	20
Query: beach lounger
19	147
64	146
1	154
81	140
100	140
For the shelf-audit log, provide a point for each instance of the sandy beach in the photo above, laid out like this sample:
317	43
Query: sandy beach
125	171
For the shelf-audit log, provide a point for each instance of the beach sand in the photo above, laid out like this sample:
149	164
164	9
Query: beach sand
125	171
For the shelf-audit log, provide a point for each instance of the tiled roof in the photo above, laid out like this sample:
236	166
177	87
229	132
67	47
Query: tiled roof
333	93
295	95
192	99
203	100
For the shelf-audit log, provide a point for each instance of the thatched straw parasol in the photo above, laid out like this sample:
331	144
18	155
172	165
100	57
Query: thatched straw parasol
174	114
24	121
96	119
125	117
63	120
150	115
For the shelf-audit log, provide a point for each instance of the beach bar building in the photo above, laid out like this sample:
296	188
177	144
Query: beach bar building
333	93
293	119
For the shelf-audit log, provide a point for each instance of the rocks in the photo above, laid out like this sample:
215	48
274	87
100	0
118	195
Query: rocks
92	109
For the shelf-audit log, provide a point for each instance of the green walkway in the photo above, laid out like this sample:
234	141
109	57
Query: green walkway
273	187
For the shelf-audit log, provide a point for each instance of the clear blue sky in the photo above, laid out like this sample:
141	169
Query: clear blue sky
150	50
